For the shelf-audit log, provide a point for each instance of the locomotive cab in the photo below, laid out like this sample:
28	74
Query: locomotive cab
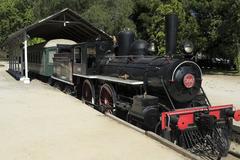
86	57
78	60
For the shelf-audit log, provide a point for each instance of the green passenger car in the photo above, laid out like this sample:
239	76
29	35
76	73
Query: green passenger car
40	56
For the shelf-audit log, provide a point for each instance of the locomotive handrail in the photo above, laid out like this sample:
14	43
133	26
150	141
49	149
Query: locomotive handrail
182	64
135	56
166	91
113	79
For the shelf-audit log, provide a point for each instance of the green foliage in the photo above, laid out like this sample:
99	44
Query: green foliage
212	25
43	8
35	40
15	14
111	16
99	17
120	11
153	19
108	15
219	25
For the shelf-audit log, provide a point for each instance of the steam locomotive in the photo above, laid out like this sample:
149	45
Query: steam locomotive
158	93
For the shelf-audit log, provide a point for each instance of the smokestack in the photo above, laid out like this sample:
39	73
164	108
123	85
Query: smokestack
171	33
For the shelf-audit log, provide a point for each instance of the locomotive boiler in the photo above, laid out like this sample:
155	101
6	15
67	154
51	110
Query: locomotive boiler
175	81
158	93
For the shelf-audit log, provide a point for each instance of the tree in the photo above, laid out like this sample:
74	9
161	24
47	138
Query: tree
152	17
99	17
212	25
111	15
15	14
43	8
219	23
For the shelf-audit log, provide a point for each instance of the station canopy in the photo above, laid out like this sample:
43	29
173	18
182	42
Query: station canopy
65	24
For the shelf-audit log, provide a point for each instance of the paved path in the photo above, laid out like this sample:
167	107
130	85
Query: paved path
37	122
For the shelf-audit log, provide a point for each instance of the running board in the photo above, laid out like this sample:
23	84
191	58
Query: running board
111	79
58	79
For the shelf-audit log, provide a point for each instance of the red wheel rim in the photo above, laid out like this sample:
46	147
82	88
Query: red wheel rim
87	94
106	98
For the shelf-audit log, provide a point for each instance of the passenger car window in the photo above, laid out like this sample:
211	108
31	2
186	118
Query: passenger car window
50	56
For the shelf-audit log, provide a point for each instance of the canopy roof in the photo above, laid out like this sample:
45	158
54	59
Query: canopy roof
65	24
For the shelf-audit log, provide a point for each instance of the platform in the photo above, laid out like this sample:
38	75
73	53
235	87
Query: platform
38	122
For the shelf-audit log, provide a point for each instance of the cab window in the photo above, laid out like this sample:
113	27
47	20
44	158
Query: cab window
91	55
77	55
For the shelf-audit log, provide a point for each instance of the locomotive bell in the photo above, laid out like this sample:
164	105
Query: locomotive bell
171	33
151	47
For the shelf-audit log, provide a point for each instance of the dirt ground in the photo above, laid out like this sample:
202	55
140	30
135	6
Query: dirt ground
38	122
222	89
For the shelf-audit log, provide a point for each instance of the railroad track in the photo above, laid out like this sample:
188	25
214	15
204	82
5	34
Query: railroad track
235	142
156	137
234	152
234	149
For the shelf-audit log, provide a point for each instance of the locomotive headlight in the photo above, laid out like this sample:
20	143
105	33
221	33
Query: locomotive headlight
188	46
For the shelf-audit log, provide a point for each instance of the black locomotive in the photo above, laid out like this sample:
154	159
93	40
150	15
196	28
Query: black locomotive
158	93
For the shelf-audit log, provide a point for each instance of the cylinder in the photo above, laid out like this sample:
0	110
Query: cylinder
171	33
